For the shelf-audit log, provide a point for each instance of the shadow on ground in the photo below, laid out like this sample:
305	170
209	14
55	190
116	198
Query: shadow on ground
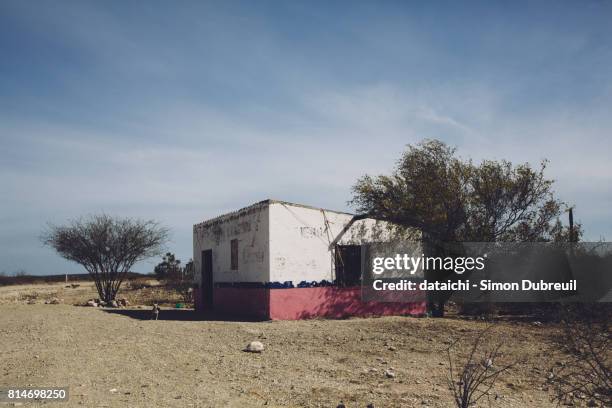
177	315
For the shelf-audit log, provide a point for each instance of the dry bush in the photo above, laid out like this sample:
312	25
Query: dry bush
31	296
137	285
474	379
183	289
145	293
585	343
180	279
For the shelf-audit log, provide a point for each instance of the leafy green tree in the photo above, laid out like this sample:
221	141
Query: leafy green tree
169	268
188	271
454	200
175	276
451	199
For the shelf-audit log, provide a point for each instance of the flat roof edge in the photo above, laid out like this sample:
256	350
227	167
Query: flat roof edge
261	204
308	206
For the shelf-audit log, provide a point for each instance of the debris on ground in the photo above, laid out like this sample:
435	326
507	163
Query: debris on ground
254	347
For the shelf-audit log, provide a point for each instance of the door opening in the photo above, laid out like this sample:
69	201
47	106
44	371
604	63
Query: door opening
207	279
348	265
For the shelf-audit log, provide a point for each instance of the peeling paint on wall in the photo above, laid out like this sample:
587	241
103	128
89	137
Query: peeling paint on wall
250	230
312	232
280	242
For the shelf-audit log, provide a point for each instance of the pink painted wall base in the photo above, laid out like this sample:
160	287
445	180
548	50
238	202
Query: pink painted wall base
252	303
333	302
302	303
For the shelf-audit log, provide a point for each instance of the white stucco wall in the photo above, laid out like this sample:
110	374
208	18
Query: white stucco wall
300	238
250	227
280	242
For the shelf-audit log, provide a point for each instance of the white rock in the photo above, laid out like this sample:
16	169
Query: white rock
389	373
255	347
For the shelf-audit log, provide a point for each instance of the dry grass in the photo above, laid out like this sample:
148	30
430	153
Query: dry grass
139	292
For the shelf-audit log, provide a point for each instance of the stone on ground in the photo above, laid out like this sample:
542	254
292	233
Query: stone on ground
254	347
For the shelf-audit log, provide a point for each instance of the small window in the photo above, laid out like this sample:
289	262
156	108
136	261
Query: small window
234	254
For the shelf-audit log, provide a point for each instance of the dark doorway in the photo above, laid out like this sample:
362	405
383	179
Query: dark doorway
348	265
207	279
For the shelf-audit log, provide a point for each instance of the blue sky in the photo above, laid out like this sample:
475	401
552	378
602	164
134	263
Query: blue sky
180	111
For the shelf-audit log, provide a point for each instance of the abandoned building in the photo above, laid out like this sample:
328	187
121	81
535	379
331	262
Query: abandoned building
283	261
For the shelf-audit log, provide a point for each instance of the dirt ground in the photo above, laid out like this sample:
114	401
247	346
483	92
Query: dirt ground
116	358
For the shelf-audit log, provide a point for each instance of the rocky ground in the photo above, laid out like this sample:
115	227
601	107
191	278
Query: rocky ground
113	358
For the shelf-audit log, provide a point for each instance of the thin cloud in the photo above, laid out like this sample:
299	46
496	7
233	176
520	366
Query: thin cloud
188	112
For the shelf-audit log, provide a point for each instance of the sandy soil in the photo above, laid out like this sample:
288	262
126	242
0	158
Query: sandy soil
121	358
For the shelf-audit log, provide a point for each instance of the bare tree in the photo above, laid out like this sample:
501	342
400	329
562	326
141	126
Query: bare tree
107	247
474	380
587	369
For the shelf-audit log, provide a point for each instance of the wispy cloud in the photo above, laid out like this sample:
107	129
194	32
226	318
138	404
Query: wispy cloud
186	112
